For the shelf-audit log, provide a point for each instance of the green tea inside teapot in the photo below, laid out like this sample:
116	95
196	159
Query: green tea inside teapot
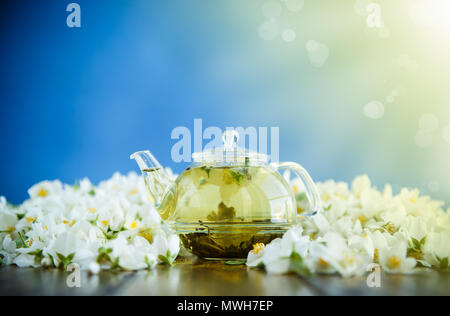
228	200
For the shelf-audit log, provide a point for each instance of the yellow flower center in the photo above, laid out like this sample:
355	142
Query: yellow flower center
295	189
341	196
30	219
42	193
92	210
394	262
134	191
11	229
362	219
29	242
147	235
133	225
323	263
257	248
376	255
350	260
105	223
326	197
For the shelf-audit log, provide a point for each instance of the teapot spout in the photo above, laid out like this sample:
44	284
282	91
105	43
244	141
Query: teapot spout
159	184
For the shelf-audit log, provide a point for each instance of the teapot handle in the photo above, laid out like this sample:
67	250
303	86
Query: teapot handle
311	190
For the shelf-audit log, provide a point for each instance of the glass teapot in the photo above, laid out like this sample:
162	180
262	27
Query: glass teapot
227	200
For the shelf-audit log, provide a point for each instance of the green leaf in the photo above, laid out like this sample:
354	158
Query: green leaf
168	259
22	240
65	261
20	216
301	196
443	263
115	264
147	261
38	256
51	258
103	255
237	176
1	260
92	192
416	243
76	185
94	222
206	169
423	241
298	265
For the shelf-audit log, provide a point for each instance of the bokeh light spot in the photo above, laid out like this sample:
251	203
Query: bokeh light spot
423	139
428	123
374	110
288	35
390	99
268	30
318	53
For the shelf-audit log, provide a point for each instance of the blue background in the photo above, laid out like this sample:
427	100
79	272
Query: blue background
76	102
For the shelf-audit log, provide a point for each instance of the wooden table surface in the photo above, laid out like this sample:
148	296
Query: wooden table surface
195	277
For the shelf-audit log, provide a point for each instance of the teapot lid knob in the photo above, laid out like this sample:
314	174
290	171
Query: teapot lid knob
230	138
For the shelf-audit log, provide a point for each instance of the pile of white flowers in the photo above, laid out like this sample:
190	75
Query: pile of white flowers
112	225
115	225
359	227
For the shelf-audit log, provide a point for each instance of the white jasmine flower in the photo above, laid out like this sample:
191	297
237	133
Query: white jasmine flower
364	225
254	258
24	261
45	189
394	260
8	250
8	220
167	248
276	257
94	268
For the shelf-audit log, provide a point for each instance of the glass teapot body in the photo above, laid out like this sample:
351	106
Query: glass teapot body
222	212
220	208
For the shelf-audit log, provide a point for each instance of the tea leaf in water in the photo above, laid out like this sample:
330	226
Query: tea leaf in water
225	245
206	169
224	213
298	265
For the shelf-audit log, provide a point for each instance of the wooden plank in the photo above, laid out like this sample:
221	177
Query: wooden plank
46	282
422	284
197	277
213	279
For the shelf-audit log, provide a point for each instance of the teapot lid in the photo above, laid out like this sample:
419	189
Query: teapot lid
230	153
